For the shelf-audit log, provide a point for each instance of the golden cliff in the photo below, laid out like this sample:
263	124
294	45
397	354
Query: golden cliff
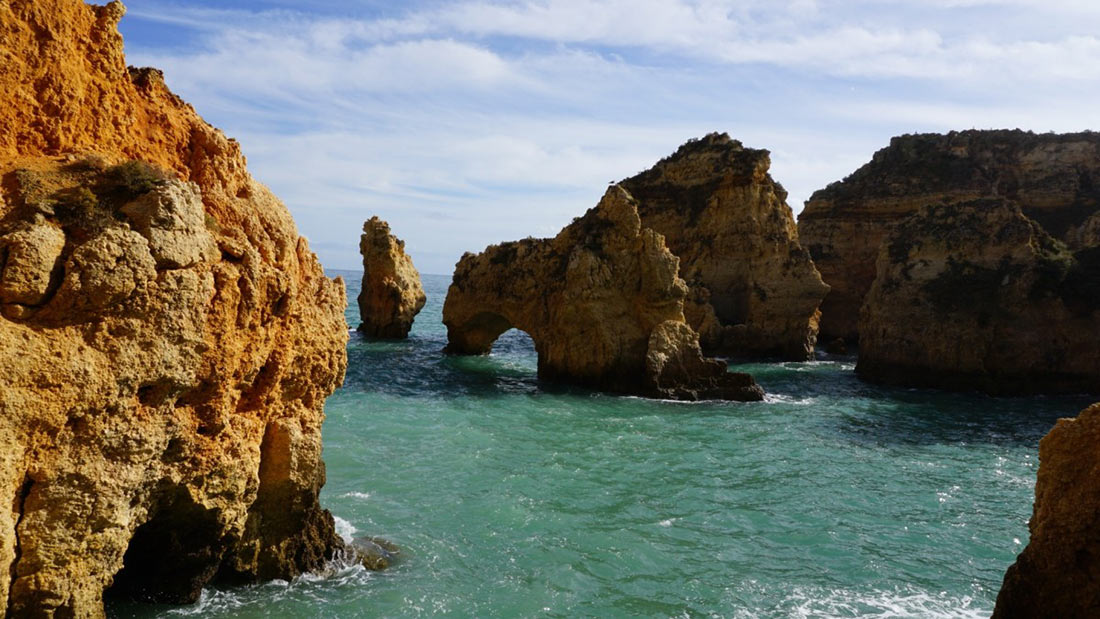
391	295
1055	575
978	296
753	290
1054	178
603	303
167	339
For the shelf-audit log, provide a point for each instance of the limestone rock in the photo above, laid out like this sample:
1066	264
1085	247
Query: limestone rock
977	296
596	299
167	339
1056	574
1052	177
391	295
754	292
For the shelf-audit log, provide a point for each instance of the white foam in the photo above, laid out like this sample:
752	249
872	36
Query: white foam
345	529
355	495
902	603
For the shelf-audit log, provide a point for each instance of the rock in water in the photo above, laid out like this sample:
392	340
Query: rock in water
1056	574
391	295
602	302
754	292
1052	177
167	339
978	296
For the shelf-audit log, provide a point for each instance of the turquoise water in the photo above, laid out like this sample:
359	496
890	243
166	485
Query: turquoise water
510	498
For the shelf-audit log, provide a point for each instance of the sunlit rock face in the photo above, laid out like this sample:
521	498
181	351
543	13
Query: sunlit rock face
602	302
753	290
391	295
1054	178
167	339
1056	574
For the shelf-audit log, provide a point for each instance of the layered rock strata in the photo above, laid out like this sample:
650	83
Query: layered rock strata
1054	178
753	290
603	303
167	339
978	296
391	295
1056	574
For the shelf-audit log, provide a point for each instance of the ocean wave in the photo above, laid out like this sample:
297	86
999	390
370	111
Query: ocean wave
902	603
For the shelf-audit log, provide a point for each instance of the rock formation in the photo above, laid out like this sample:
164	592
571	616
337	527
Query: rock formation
1054	178
167	339
978	296
391	295
753	290
602	302
1056	574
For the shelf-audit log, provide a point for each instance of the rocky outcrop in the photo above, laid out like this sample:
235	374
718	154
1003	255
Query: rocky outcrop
602	302
1054	178
753	290
1056	574
978	296
391	295
167	339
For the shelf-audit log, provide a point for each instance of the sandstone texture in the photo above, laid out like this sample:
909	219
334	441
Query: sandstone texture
1056	574
753	290
167	339
976	295
391	295
603	303
1054	178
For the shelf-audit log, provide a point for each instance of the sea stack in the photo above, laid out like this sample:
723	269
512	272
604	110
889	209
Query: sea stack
603	303
753	290
167	339
1052	177
391	295
1056	574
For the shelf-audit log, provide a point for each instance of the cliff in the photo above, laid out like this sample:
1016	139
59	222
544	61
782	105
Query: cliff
391	295
754	292
978	296
1054	178
1056	574
167	339
601	301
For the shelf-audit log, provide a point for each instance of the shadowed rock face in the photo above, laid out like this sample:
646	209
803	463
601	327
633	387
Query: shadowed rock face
753	290
1054	178
391	295
1056	574
167	340
978	296
601	301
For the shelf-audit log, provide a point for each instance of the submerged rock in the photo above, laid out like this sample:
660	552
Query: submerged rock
1052	177
754	292
167	340
374	553
391	295
979	296
1056	574
601	301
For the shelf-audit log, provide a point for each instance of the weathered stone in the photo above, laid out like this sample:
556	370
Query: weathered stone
29	258
1052	178
391	295
754	290
1056	574
374	553
593	299
171	218
977	296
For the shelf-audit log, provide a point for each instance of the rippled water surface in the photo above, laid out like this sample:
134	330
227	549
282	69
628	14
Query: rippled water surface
512	498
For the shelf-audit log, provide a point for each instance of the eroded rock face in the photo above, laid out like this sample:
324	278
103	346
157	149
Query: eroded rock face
391	295
167	339
753	290
602	302
1052	177
978	296
1056	574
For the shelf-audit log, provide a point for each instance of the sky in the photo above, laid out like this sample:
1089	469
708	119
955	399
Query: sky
470	122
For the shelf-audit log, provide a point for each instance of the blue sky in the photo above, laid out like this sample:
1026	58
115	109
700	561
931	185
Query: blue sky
468	122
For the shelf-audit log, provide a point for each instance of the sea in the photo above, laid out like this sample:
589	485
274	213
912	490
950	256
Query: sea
509	497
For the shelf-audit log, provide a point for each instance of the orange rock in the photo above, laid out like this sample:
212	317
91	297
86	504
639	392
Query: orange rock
391	295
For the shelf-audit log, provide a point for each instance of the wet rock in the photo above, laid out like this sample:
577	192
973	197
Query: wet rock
374	553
